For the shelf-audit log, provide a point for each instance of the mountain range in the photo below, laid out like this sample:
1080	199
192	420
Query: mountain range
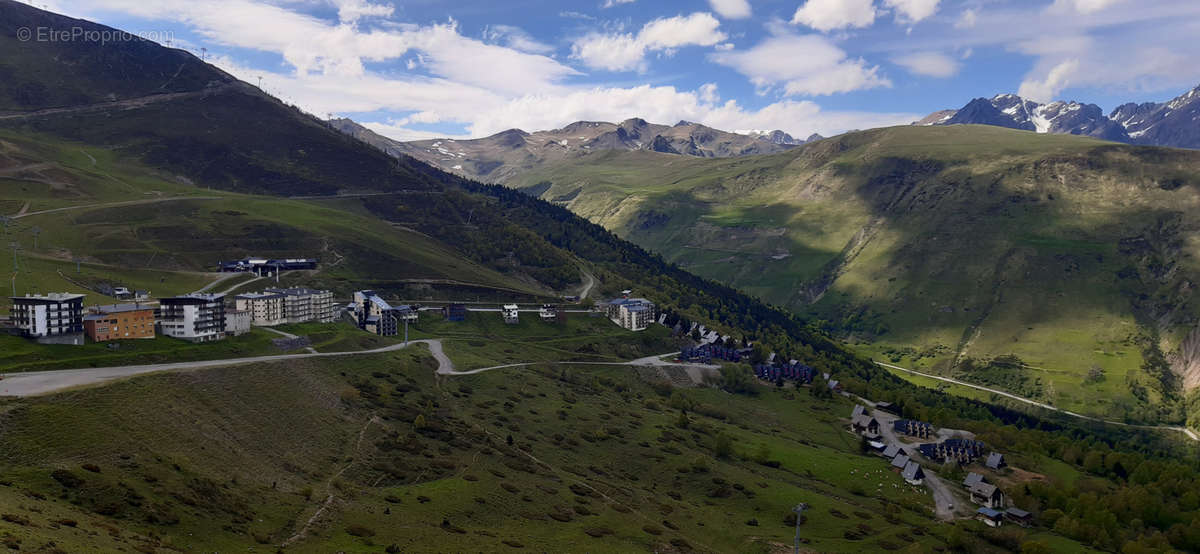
1172	123
497	158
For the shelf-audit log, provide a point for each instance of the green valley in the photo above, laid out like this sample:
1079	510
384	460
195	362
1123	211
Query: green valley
1020	260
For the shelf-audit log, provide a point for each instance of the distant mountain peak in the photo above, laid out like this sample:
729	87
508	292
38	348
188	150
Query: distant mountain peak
498	157
1172	123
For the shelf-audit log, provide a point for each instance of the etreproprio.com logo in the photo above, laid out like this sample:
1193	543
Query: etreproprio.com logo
80	34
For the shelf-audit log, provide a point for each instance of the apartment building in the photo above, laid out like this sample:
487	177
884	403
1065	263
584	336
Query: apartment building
634	314
119	322
375	315
301	305
193	317
55	318
266	308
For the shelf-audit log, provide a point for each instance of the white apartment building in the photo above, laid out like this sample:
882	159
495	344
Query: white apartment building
193	317
55	318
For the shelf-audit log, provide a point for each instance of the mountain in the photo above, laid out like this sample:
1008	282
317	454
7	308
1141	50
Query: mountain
498	158
942	247
1174	123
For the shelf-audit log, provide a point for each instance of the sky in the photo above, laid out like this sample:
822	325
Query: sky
470	68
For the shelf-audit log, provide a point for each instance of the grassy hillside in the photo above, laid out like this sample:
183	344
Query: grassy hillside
599	460
943	249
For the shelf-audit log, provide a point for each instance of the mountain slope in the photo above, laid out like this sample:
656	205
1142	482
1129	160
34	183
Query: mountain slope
943	247
497	158
1173	123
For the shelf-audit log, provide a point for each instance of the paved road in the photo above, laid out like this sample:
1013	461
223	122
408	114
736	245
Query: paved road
35	383
1188	432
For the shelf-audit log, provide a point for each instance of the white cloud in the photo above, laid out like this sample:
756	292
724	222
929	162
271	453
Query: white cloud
912	11
708	93
350	11
827	15
515	38
627	52
731	9
1057	79
1084	6
932	64
803	65
968	19
610	3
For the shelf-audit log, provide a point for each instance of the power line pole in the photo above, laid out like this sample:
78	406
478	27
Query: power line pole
37	232
799	509
15	246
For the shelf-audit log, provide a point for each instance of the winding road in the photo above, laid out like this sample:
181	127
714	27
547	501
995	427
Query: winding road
34	383
1188	432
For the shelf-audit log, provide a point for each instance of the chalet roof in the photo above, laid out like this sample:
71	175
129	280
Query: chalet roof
877	445
858	410
972	479
912	470
989	513
1017	513
892	450
987	490
995	460
863	420
900	460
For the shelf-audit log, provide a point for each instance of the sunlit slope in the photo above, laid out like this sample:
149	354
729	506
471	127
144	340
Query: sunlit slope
955	242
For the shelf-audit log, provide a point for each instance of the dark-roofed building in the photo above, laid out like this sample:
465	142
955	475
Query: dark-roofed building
1019	516
995	460
900	461
892	450
887	407
913	428
375	315
963	451
972	480
989	516
987	494
913	474
865	424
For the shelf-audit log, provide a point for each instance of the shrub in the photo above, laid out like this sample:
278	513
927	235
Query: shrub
360	530
92	468
15	519
66	478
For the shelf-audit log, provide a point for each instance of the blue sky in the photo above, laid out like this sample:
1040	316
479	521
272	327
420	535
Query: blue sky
414	69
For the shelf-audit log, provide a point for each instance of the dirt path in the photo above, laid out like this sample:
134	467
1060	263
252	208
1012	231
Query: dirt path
1188	432
115	204
127	104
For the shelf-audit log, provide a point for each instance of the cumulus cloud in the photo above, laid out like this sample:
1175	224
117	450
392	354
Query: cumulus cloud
610	3
827	15
932	64
731	9
627	52
802	65
912	11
